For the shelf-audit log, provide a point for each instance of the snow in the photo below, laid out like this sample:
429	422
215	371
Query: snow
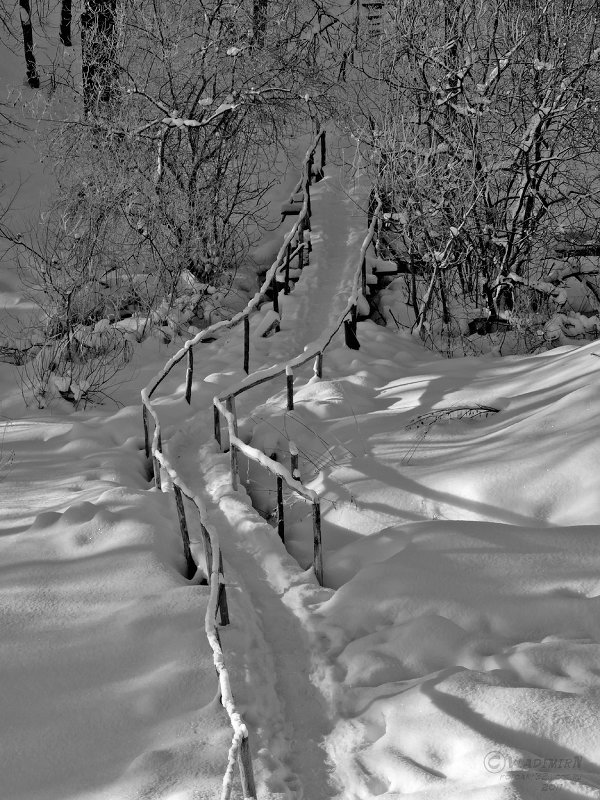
454	650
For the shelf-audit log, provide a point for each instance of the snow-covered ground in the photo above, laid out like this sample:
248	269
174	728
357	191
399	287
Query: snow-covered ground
456	644
454	651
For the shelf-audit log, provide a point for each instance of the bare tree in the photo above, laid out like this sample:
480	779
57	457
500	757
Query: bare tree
482	119
161	183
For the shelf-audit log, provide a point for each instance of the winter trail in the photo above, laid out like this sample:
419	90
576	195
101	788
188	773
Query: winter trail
273	653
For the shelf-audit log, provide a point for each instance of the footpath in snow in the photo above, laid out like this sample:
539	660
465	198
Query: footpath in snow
454	650
455	645
272	647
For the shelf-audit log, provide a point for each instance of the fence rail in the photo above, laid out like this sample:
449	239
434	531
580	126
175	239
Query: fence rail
224	404
296	244
224	411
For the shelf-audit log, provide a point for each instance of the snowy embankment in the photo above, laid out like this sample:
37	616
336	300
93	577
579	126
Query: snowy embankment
460	508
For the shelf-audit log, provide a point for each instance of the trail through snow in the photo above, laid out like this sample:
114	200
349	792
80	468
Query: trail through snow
455	650
275	673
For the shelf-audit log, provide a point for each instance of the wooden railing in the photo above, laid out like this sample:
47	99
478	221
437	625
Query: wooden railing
224	404
217	603
296	245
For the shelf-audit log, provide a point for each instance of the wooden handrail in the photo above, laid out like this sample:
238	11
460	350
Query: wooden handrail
224	406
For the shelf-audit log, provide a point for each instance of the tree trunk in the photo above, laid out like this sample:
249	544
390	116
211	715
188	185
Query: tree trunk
32	74
65	23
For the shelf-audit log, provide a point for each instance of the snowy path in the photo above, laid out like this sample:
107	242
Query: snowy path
338	229
269	650
459	654
273	670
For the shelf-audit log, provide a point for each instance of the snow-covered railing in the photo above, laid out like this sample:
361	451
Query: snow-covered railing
282	262
296	244
224	404
217	602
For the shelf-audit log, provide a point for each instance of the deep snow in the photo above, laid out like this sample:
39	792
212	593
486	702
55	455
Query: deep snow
454	651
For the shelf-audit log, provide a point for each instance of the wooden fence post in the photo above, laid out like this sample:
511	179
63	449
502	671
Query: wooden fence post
300	244
246	772
222	602
317	549
230	404
189	374
156	463
323	150
363	275
288	251
275	298
217	425
190	563
146	433
289	378
280	519
246	344
318	367
350	335
294	461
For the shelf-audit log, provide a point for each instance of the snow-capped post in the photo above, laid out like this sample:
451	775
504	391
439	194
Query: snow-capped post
289	378
294	461
246	344
189	561
189	374
317	550
222	603
246	772
280	519
33	78
318	366
217	425
233	429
